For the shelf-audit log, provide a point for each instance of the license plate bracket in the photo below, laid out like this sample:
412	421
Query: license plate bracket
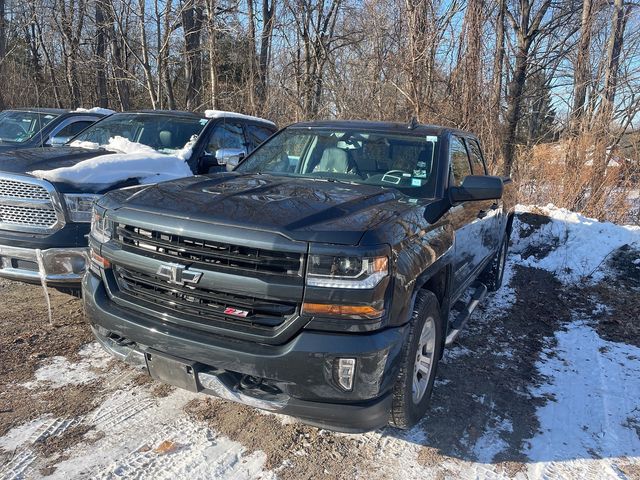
172	370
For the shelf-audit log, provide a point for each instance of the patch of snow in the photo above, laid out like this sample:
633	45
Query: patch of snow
172	446
491	443
583	243
135	161
224	114
84	144
99	110
59	371
636	261
593	387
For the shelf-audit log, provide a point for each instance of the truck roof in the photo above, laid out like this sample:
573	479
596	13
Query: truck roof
53	111
397	127
207	114
177	113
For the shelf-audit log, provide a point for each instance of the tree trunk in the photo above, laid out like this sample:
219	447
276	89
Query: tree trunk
192	25
268	22
3	48
605	115
101	48
146	62
498	63
575	156
515	98
212	50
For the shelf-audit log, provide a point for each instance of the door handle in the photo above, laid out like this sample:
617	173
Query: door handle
482	213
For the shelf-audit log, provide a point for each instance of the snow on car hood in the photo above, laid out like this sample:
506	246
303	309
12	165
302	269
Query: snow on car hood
132	161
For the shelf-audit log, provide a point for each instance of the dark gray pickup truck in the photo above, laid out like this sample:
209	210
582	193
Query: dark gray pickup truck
46	194
321	278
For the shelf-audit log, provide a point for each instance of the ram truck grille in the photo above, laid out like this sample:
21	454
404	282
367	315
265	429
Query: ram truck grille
208	254
201	305
29	205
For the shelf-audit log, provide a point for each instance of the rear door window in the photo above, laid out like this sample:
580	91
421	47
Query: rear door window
257	135
476	157
459	161
73	129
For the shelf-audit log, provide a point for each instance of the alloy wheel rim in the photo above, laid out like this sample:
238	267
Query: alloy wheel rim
424	360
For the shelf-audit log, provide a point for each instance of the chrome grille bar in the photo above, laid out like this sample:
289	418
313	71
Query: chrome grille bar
29	205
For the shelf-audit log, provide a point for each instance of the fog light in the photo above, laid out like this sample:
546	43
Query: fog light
346	372
61	262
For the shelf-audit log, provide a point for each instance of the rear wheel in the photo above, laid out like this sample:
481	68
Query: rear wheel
494	273
413	388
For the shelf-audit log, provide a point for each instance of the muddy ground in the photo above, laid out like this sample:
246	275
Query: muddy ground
483	391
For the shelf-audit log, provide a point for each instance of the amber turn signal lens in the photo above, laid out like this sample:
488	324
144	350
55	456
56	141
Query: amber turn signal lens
354	311
99	261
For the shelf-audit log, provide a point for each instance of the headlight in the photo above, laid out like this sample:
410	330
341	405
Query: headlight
80	205
101	227
346	272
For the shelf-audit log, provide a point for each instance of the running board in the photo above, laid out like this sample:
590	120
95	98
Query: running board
480	291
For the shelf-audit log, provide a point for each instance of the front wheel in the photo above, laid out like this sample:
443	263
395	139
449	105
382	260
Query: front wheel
413	388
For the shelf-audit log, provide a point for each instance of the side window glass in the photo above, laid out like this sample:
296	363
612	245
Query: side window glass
73	129
476	157
459	161
226	135
257	135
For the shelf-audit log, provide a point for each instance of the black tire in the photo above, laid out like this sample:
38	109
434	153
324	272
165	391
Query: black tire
405	412
494	272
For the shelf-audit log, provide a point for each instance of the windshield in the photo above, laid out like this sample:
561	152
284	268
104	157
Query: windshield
403	161
18	127
163	133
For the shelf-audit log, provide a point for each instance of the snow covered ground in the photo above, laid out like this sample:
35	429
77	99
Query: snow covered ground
542	385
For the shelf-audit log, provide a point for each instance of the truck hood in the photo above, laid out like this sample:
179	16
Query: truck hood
300	209
48	158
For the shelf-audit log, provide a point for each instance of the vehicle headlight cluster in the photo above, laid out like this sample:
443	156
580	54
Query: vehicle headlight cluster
346	272
101	226
80	205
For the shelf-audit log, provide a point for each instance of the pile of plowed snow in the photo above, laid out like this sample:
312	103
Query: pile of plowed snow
568	244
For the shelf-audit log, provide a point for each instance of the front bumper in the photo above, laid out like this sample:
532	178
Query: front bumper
57	267
296	378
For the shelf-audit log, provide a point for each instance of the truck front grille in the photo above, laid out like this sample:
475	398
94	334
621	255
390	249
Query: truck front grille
28	205
200	305
208	254
36	217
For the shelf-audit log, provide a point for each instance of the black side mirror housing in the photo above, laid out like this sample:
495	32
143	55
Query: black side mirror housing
477	187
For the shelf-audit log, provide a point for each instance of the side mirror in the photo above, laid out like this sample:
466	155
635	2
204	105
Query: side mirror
230	157
477	187
57	141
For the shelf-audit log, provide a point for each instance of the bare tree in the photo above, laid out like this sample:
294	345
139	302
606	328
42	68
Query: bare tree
192	18
526	23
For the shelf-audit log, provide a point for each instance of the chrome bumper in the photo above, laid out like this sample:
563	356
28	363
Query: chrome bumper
54	266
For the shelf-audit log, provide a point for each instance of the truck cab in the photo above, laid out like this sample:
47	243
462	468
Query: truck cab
43	127
46	195
321	278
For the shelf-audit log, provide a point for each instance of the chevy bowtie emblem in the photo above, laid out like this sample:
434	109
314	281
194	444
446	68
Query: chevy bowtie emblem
178	274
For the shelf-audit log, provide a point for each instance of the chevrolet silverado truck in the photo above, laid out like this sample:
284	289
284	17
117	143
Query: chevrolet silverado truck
321	278
46	194
43	127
